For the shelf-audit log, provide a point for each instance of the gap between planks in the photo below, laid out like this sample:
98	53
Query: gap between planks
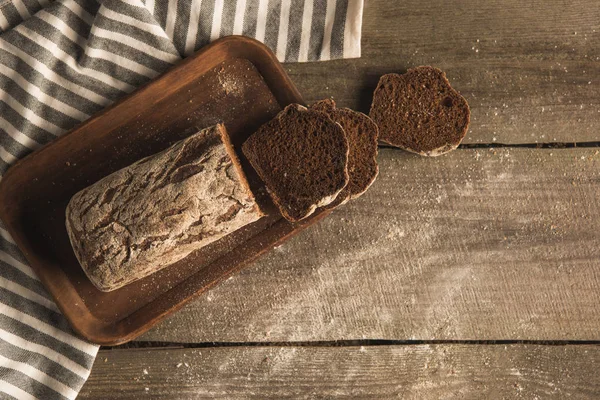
347	343
550	145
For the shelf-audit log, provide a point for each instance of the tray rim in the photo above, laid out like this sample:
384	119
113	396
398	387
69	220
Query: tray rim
130	327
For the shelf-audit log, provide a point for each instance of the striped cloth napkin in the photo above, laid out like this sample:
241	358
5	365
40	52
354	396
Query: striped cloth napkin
62	61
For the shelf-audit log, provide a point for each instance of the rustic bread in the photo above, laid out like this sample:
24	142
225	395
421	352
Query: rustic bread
361	133
158	210
302	156
420	112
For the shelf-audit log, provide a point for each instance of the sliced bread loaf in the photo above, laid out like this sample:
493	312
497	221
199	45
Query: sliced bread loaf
302	157
420	112
361	133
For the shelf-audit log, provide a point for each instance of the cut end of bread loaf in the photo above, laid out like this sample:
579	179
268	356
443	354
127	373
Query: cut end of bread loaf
420	112
301	156
362	134
237	165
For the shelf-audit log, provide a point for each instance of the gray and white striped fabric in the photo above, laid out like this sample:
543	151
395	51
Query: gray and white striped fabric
62	61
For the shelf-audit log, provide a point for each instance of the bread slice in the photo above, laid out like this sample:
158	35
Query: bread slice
361	133
302	157
420	112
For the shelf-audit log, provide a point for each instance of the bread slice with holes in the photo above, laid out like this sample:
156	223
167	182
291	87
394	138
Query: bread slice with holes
302	157
420	112
361	133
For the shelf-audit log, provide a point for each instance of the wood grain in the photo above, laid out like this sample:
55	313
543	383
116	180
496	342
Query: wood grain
477	244
381	372
528	69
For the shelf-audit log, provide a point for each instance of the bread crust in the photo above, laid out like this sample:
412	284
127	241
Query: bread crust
420	112
362	135
158	210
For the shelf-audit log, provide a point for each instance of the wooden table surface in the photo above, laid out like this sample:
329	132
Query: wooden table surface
475	275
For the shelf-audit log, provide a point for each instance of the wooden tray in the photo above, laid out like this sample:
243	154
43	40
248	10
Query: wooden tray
235	80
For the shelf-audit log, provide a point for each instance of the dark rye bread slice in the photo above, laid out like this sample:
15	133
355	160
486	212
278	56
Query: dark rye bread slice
301	156
361	133
420	112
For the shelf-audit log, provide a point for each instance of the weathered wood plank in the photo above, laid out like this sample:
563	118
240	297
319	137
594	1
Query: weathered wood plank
530	70
407	372
477	244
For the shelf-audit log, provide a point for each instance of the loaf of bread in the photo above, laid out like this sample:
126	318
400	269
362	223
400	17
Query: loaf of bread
361	133
302	157
420	112
158	210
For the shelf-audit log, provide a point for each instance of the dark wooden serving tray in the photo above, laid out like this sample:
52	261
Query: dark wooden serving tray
235	80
